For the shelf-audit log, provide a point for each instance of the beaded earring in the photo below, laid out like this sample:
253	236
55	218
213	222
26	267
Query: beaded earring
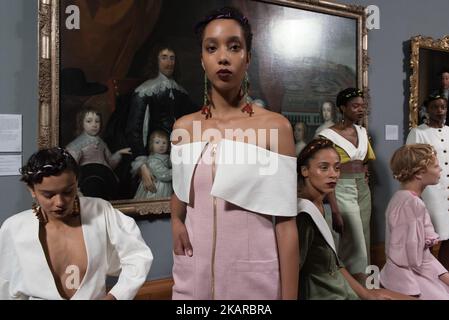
76	207
244	91
206	102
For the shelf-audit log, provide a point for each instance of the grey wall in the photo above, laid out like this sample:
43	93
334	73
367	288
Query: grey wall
400	19
18	88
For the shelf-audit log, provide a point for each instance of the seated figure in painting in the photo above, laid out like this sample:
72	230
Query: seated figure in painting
159	164
97	178
67	245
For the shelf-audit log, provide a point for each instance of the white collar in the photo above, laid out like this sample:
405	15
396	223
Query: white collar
307	206
354	153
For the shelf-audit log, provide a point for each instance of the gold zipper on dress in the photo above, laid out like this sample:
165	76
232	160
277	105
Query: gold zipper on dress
214	235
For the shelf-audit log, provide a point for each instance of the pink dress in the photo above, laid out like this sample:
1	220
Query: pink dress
234	249
411	268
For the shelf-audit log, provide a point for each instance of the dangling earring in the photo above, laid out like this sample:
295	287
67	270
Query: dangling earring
206	91
76	207
244	91
206	103
244	88
37	210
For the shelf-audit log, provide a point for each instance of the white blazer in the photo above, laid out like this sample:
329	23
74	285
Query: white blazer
114	246
436	197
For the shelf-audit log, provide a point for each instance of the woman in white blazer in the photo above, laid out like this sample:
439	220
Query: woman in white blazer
436	197
65	246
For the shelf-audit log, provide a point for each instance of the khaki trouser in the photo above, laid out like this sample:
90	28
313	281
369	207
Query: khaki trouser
354	202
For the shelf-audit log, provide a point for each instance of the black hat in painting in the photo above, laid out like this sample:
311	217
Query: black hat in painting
73	82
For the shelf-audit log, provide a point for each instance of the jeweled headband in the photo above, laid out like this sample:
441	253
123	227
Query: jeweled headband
344	96
355	93
311	148
47	169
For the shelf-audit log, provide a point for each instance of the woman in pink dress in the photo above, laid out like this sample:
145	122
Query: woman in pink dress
411	268
234	207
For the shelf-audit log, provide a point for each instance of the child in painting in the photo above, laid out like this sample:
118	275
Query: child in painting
411	268
159	164
92	154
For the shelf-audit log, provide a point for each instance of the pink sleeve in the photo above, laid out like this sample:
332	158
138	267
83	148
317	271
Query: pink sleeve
407	241
431	237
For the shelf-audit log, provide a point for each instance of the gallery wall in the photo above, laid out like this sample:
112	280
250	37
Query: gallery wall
399	20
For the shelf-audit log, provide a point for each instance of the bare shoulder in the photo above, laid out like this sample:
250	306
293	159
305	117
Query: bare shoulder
283	143
273	120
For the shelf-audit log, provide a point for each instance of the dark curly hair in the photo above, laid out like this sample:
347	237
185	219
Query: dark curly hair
45	163
226	13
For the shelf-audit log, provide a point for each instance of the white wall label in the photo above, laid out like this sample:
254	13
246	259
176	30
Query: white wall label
391	132
10	133
10	164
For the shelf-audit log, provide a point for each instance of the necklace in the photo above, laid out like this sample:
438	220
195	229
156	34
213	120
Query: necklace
248	108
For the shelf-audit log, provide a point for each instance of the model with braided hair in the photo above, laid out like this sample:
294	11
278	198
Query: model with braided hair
411	268
322	274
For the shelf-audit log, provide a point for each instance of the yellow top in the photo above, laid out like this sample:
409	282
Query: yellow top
345	158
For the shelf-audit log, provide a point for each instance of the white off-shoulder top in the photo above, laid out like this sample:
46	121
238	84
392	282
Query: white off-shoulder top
246	175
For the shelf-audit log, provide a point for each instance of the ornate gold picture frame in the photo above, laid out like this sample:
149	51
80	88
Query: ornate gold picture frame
428	57
50	13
